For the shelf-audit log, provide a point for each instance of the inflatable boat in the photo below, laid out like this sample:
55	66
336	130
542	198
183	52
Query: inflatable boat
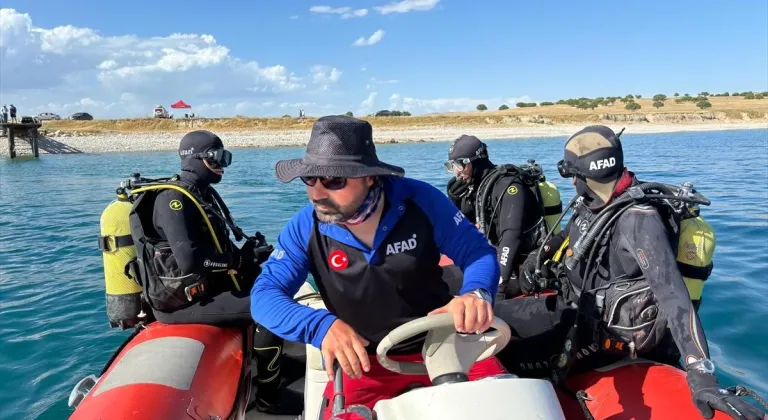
203	372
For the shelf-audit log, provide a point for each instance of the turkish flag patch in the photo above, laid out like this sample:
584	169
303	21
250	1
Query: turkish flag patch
338	260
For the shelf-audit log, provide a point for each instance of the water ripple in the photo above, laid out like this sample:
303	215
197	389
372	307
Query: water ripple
52	318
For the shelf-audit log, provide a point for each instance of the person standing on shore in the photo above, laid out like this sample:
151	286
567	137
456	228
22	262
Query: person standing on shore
13	113
5	114
509	201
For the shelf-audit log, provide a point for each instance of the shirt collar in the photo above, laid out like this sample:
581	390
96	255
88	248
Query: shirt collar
396	191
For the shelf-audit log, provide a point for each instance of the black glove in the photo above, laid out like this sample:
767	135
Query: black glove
708	396
256	249
529	281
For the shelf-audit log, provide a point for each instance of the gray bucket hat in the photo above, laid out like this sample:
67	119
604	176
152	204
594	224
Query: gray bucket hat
339	146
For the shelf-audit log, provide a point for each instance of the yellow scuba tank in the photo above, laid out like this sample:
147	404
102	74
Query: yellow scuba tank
553	206
115	242
695	250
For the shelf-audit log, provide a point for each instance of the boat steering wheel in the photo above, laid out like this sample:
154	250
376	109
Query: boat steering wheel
448	354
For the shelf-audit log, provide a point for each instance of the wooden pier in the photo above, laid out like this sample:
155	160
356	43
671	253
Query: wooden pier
26	131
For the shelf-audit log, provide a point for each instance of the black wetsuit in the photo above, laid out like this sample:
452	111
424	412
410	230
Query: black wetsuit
638	248
179	223
513	217
187	234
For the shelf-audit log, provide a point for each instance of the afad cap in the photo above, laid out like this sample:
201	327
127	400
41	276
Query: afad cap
594	153
467	147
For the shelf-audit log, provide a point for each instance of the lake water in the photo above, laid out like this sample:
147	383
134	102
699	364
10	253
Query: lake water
53	324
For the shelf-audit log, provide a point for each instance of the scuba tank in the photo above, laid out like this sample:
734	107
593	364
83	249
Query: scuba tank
695	248
123	294
547	194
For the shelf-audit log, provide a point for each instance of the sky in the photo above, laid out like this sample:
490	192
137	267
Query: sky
270	58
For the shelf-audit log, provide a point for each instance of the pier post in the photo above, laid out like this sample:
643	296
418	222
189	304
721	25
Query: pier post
11	143
33	141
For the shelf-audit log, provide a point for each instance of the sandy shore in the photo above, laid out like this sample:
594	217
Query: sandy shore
158	141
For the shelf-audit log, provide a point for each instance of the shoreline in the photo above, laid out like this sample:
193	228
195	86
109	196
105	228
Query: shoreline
101	143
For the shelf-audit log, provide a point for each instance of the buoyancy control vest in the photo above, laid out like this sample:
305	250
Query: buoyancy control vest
129	245
626	309
621	316
532	176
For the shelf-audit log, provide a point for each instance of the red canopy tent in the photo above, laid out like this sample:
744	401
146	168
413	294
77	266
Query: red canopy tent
180	104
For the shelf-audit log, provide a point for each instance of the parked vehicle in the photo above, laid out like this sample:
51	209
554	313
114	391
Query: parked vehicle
43	116
160	112
81	116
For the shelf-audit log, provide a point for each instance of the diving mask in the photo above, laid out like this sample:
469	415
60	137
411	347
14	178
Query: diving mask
458	165
218	158
569	170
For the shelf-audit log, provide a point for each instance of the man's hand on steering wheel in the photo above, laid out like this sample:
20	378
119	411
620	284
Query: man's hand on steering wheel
471	313
342	343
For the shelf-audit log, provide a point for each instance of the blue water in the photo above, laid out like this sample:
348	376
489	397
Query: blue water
52	322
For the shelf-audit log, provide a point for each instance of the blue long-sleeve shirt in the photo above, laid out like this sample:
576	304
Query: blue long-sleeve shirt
272	303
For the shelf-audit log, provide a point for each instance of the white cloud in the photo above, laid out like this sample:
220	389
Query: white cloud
367	105
68	68
421	106
376	81
294	17
394	101
363	68
325	76
406	6
345	12
373	39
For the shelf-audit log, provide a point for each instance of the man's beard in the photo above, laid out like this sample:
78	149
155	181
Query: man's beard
333	213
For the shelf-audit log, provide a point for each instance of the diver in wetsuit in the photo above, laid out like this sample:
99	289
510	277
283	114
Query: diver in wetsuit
512	214
629	279
210	286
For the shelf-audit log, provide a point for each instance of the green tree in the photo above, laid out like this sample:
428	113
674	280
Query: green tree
749	95
676	94
583	105
632	106
759	96
349	114
639	96
482	107
679	101
658	104
660	97
503	107
406	114
546	104
704	104
704	94
726	94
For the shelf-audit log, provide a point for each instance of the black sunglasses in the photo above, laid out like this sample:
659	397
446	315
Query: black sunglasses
219	158
329	182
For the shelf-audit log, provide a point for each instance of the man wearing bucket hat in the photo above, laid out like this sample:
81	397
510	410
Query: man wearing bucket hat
372	240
